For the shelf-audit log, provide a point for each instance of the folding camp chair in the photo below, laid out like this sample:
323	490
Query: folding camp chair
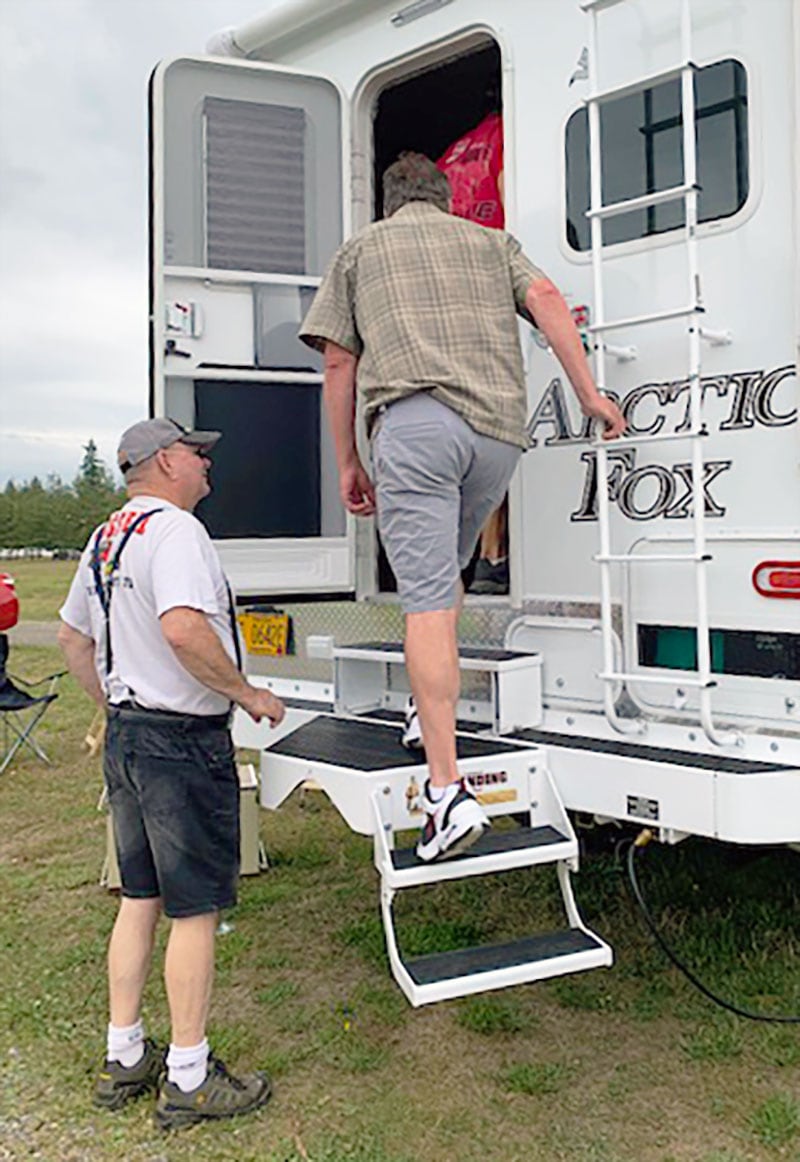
22	708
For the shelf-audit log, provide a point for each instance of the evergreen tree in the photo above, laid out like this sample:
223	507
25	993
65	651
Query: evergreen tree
93	473
55	515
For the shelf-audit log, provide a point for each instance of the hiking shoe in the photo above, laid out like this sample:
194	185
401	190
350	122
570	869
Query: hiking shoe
117	1085
452	825
490	579
412	734
221	1095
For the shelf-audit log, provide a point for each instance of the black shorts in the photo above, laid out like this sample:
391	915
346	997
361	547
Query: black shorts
174	797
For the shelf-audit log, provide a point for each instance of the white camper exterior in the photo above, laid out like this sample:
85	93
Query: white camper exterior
268	152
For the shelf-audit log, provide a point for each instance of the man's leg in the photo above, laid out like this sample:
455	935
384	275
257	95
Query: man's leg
189	975
201	880
130	951
491	570
198	1086
133	1064
431	648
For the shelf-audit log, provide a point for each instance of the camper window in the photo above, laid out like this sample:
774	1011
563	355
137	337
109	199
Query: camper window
641	145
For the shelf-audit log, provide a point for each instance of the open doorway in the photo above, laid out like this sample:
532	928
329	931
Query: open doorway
442	111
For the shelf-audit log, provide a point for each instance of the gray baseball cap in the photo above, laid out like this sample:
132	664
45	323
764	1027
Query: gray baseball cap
144	439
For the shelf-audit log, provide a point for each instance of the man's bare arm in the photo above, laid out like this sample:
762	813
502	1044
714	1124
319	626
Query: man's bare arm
201	652
339	392
78	651
553	318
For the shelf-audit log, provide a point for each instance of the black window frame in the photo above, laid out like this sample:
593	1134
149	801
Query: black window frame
653	221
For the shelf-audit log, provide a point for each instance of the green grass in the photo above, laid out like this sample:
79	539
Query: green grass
717	1040
41	586
490	1014
626	1065
536	1079
776	1122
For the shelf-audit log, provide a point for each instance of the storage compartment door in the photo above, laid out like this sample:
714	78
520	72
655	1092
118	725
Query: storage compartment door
247	208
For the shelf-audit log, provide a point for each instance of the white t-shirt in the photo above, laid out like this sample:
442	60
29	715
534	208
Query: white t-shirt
168	561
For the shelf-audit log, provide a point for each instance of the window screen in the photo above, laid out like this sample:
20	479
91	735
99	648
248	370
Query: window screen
642	152
255	186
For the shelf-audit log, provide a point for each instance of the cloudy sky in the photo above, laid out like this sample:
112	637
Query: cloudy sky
73	246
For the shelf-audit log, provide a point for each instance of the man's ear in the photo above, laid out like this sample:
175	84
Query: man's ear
162	460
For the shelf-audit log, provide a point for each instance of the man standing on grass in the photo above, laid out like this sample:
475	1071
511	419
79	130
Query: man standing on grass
148	630
419	311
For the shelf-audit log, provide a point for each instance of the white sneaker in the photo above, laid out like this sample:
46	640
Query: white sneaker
452	825
412	735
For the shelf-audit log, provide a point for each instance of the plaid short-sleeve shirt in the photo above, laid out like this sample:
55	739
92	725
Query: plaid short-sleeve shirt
428	301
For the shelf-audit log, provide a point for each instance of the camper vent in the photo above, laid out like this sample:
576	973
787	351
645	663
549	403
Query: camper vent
255	186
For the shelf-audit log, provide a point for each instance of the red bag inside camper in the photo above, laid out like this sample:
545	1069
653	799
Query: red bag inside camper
9	604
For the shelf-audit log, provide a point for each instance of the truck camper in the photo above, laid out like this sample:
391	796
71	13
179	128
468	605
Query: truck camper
644	667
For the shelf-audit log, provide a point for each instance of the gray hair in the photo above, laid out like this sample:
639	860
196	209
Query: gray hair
414	178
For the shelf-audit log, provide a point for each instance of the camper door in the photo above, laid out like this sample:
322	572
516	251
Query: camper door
247	178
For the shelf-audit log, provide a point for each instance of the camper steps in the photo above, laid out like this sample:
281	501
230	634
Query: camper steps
547	839
445	975
495	851
377	787
362	683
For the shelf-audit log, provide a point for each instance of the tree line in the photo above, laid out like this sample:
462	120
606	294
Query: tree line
55	515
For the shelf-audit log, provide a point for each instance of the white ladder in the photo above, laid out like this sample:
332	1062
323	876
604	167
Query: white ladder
687	192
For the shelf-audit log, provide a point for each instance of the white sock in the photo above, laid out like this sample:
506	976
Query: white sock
436	794
126	1044
187	1065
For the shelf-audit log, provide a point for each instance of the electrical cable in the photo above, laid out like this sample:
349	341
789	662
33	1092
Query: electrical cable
641	841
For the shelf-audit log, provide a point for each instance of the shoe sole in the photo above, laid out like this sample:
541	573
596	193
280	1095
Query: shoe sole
121	1097
463	844
459	844
181	1119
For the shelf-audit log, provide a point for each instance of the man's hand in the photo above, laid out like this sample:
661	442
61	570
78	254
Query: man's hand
356	489
260	703
549	310
606	411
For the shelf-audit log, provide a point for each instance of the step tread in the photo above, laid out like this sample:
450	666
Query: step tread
465	653
368	746
493	843
439	966
660	754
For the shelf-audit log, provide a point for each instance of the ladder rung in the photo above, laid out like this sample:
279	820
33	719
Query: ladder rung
655	438
640	320
643	201
674	678
640	83
646	558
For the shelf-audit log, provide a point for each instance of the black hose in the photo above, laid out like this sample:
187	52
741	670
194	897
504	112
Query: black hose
687	972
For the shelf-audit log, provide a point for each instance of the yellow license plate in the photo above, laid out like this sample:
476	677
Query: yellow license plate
266	633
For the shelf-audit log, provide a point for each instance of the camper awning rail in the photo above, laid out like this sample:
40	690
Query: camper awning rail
284	22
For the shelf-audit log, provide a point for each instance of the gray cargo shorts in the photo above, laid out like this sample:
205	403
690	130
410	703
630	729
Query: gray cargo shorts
436	481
